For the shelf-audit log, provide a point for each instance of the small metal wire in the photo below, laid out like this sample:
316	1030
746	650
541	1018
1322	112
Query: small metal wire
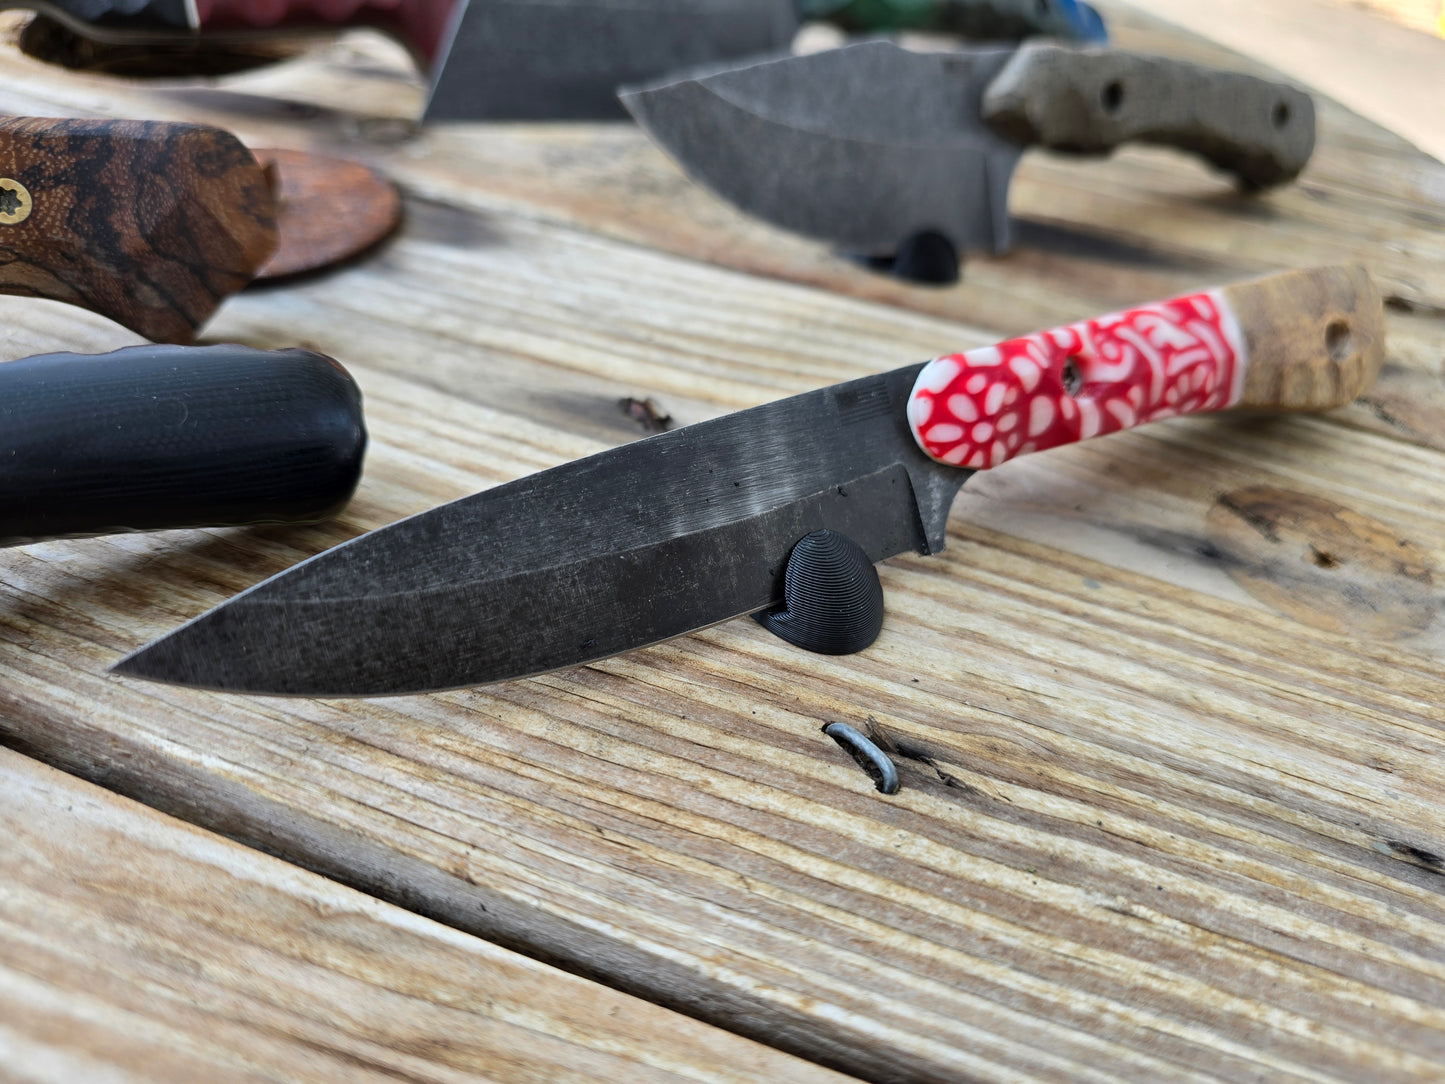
870	758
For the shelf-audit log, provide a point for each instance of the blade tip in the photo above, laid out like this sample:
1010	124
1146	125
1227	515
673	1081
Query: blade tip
134	665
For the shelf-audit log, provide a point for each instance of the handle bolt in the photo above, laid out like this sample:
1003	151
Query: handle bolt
15	202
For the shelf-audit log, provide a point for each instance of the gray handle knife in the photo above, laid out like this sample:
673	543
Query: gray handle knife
868	145
688	528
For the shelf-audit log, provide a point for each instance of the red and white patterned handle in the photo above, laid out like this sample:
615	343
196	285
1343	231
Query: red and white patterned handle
1317	336
980	408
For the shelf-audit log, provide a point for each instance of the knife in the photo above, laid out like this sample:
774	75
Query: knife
688	528
149	224
155	437
560	59
870	145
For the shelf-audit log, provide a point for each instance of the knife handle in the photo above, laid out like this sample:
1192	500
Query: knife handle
986	20
418	24
1088	101
1301	340
155	437
149	224
112	19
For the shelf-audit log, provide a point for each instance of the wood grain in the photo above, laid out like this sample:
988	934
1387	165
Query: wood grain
1315	338
133	947
150	224
1090	101
1154	824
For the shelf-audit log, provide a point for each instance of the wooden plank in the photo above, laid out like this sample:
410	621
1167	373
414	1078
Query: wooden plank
1134	798
135	947
1172	779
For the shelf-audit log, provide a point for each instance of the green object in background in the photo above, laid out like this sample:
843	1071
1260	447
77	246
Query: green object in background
983	19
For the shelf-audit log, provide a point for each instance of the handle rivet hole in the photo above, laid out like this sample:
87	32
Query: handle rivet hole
1338	340
1112	96
1280	115
15	202
1073	379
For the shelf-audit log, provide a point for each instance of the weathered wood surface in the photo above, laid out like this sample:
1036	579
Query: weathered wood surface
134	947
1169	704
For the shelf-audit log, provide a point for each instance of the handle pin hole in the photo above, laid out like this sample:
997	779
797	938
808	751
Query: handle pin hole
1338	340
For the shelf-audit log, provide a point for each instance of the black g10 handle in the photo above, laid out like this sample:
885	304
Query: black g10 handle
156	437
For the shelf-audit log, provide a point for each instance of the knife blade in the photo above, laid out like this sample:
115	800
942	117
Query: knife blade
563	59
685	529
149	224
871	144
149	438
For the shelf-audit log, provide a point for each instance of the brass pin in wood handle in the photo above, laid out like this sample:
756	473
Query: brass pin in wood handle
149	224
1315	338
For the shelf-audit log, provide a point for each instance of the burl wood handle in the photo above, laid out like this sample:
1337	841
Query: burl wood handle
1089	101
154	437
1302	340
150	224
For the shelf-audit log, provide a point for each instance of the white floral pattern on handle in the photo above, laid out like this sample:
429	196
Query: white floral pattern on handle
982	407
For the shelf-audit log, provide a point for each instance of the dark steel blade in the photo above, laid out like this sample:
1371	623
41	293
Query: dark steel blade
862	146
564	59
589	559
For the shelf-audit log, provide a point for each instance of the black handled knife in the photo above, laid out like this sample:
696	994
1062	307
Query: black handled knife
685	529
155	437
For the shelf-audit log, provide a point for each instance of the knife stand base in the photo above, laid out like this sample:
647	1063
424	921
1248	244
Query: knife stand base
928	258
832	597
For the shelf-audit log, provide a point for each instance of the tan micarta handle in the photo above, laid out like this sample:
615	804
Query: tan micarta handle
1315	339
1089	101
150	224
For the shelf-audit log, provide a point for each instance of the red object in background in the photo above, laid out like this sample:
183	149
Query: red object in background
419	24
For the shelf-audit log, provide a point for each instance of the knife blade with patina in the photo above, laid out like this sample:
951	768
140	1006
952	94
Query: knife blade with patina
562	59
685	529
869	145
